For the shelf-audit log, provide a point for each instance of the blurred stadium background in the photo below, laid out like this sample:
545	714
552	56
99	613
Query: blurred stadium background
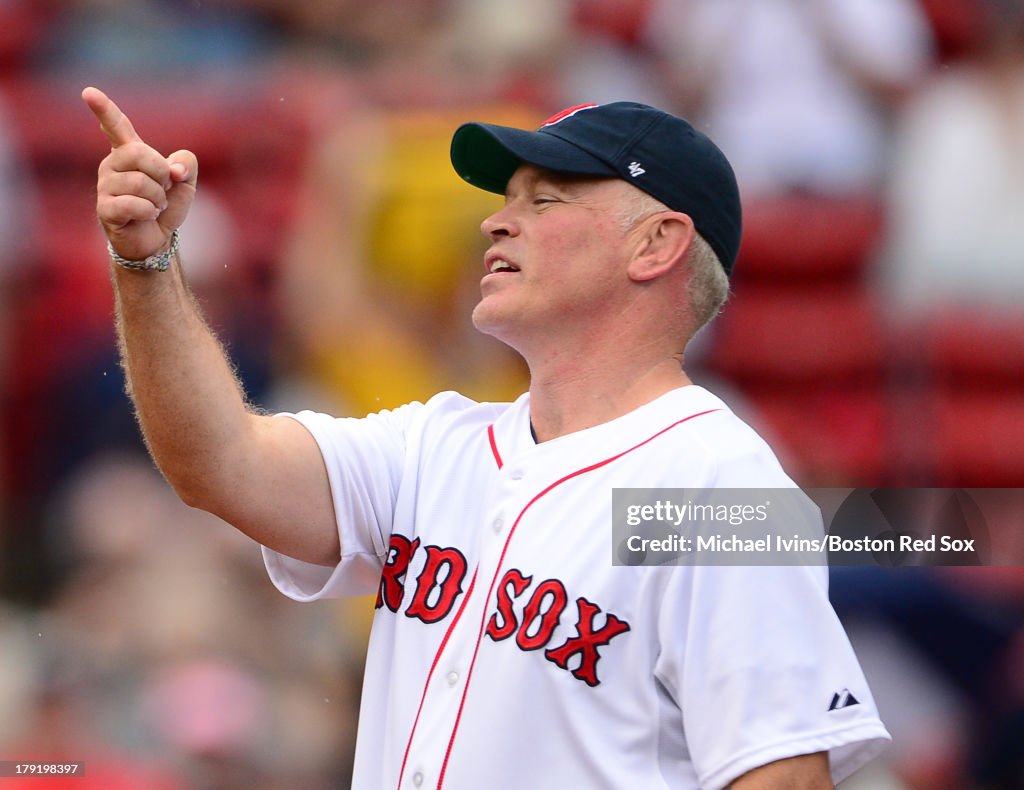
875	335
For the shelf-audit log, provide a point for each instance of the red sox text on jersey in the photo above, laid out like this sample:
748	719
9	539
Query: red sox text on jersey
526	611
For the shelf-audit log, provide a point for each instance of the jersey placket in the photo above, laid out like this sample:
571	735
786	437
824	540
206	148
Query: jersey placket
436	726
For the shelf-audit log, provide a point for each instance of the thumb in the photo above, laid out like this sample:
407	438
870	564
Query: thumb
184	167
184	171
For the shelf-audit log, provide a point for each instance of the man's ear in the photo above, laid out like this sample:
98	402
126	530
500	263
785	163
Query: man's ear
663	244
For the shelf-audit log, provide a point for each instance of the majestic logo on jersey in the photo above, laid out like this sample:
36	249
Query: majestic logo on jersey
843	699
568	112
530	613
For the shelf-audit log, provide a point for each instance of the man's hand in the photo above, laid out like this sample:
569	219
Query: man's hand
141	197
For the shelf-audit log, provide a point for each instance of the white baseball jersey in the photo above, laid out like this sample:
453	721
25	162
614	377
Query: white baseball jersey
508	651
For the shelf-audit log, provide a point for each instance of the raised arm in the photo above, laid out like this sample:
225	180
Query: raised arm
264	475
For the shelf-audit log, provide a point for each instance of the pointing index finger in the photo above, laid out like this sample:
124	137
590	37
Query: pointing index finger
113	122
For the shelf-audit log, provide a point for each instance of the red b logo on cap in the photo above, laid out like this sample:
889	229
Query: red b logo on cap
561	116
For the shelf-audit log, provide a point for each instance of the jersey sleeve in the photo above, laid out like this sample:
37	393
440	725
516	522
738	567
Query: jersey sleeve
762	669
365	459
755	656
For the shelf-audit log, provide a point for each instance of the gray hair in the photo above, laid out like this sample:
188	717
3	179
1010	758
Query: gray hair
708	284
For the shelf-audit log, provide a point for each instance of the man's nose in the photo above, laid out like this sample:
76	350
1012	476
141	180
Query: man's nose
500	223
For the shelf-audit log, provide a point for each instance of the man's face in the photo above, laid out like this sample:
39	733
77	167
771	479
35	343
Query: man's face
557	258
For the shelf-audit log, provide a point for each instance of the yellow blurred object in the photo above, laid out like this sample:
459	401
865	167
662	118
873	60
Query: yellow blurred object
424	222
419	244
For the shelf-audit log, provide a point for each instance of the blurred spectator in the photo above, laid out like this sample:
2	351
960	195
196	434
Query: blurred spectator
795	91
942	648
609	57
511	50
957	180
153	658
350	32
950	269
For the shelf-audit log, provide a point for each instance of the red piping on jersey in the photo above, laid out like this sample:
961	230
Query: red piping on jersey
430	674
494	445
501	559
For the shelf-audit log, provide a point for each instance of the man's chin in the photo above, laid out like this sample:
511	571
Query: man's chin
489	320
484	319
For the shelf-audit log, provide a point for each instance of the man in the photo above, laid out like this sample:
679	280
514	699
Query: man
507	649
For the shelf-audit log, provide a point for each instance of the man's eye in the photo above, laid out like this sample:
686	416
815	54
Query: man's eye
544	199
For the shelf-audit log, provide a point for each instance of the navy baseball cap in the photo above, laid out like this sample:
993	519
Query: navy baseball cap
659	153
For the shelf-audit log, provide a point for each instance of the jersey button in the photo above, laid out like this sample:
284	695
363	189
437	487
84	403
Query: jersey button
497	525
417	778
516	474
453	678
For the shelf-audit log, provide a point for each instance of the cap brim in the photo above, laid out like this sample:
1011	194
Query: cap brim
486	155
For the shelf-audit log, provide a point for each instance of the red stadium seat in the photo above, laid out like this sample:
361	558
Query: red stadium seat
979	439
836	435
975	348
799	335
836	238
812	362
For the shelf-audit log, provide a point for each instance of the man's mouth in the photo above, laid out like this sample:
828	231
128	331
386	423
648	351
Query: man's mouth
496	265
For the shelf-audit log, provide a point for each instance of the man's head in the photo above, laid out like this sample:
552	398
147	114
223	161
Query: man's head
591	263
658	153
618	219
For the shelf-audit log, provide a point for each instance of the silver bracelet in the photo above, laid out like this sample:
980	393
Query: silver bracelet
154	263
